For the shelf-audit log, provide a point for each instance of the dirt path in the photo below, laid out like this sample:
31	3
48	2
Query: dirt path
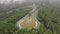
29	19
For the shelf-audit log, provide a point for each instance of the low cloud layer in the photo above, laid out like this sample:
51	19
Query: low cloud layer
50	1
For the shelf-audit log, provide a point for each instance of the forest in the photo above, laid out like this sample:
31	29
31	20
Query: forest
48	16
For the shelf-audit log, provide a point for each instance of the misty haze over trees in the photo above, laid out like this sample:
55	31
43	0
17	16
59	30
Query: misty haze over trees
12	11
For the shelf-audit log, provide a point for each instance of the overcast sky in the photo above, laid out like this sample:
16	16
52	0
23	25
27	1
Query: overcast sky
1	1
